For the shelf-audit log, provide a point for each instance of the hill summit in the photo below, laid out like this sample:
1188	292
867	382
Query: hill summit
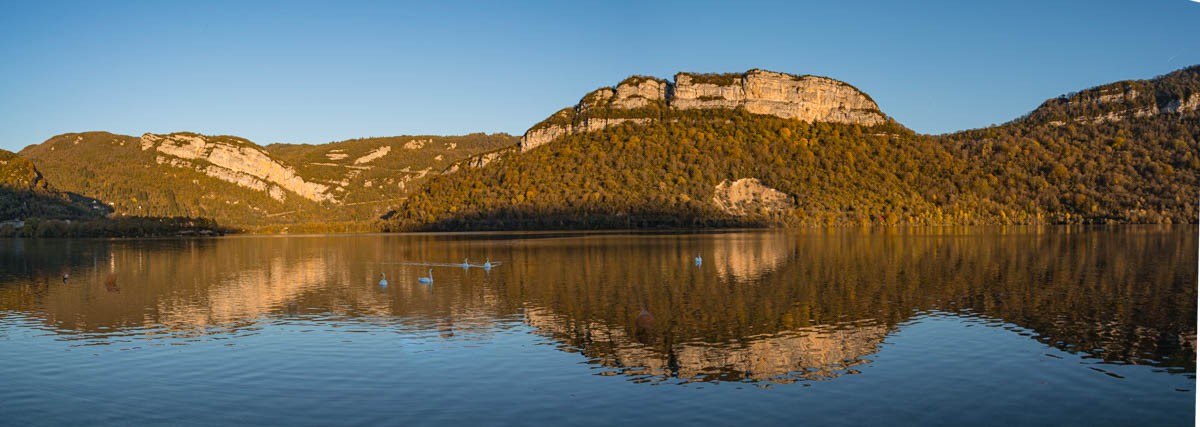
639	99
765	148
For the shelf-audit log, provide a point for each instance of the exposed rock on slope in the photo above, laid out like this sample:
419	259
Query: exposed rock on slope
373	172
640	99
637	92
374	154
808	98
1173	93
683	170
240	183
232	160
748	196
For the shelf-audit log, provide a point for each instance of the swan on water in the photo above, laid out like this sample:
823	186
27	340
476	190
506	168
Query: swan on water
488	265
427	280
466	264
699	260
383	280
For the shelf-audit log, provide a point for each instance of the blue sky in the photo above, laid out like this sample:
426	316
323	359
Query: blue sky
314	72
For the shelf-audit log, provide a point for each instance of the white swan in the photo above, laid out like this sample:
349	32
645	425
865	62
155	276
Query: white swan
699	260
427	280
466	264
487	265
383	281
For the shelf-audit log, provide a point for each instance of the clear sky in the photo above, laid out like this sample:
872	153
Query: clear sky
314	72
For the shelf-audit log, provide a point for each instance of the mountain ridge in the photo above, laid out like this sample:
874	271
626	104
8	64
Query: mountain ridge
733	149
241	183
1120	167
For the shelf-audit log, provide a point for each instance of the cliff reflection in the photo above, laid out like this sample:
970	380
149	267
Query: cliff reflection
764	306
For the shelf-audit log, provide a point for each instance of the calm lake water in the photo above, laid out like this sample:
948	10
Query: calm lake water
957	326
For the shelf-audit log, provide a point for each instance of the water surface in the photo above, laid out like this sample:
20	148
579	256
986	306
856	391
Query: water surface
977	326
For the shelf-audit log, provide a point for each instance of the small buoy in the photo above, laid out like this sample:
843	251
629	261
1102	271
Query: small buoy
66	276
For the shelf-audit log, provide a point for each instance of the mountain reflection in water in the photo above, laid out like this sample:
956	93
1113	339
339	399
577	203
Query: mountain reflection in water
776	306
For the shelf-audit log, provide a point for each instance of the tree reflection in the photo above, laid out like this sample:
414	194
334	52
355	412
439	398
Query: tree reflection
764	306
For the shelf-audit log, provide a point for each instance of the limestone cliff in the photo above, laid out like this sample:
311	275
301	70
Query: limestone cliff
479	160
640	99
1173	93
808	98
637	99
232	160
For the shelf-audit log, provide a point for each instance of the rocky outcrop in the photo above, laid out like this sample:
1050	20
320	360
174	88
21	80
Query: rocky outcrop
636	99
556	126
232	160
1133	109
374	154
537	137
808	98
478	161
1180	106
483	159
416	144
748	196
1173	93
637	92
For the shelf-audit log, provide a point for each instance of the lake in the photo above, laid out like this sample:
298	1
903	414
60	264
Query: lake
939	326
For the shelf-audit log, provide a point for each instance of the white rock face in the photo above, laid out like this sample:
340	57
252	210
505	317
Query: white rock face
416	144
483	159
244	165
538	137
1118	96
639	92
1192	103
748	196
374	154
808	98
690	94
1174	106
238	178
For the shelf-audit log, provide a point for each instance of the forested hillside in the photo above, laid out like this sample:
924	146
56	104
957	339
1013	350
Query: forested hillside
1064	163
25	193
238	183
758	148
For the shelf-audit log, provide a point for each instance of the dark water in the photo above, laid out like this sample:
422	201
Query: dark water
975	326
